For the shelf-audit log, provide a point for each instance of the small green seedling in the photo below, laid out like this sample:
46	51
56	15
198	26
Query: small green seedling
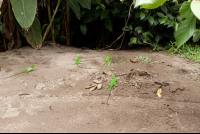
26	71
107	60
144	60
78	61
113	83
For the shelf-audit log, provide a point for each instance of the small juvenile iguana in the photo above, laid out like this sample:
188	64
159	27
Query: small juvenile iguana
78	61
107	59
113	83
26	71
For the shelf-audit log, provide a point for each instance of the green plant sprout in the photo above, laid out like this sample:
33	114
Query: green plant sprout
26	71
113	83
145	60
196	66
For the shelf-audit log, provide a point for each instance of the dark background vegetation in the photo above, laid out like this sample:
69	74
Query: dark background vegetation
105	22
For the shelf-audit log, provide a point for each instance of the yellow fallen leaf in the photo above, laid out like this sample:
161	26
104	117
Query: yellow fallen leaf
159	91
54	57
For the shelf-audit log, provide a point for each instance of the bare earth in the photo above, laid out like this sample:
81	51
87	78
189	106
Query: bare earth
53	98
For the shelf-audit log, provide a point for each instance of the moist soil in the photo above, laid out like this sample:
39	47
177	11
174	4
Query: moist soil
53	98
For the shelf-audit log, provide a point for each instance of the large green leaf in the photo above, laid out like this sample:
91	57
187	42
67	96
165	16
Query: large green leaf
185	30
24	11
185	10
195	6
196	36
33	35
75	7
85	3
154	4
144	2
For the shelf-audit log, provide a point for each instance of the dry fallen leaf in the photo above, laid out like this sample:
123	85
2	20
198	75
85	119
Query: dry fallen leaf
96	81
159	91
88	87
93	88
110	49
6	54
134	61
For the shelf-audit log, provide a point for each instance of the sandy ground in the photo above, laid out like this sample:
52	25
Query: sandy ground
53	98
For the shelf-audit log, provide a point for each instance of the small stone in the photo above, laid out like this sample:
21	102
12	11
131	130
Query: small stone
99	86
107	73
98	77
93	88
40	86
60	80
96	81
102	102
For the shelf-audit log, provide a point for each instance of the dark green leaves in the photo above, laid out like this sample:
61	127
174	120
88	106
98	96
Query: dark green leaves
85	3
138	29
108	24
104	14
83	28
128	28
133	40
160	14
151	20
142	15
76	8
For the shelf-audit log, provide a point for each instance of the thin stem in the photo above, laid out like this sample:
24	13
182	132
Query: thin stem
49	15
67	24
49	26
124	26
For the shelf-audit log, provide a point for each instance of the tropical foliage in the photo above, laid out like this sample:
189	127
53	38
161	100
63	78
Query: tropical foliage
99	23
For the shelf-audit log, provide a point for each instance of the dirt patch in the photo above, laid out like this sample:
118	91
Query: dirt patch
53	98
